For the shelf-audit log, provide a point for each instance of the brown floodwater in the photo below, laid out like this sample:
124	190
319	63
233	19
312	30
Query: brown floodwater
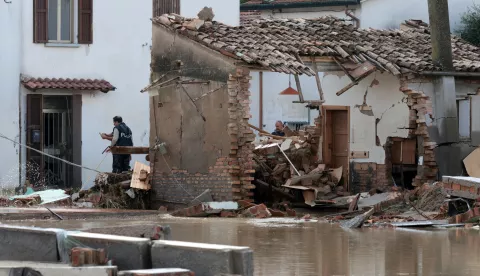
289	247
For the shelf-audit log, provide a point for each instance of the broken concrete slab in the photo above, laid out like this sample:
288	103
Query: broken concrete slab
31	244
377	199
205	209
357	221
206	14
471	163
126	252
460	186
203	259
9	268
206	196
257	211
157	272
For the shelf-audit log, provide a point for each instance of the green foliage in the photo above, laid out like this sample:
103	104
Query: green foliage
470	28
243	1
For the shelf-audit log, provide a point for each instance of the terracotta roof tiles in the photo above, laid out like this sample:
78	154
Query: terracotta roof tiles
70	84
278	44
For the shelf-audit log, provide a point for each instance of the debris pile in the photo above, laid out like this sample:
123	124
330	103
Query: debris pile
229	209
113	191
290	164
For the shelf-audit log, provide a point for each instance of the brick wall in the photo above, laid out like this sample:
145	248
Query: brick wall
231	176
366	176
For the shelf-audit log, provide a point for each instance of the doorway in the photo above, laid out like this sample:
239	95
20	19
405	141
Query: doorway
336	146
52	124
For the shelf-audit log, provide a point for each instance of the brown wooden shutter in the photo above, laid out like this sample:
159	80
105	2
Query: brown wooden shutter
165	6
35	160
40	16
85	19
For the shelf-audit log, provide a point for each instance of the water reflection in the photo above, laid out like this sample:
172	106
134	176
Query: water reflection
290	248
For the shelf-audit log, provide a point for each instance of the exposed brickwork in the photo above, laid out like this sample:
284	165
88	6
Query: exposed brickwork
420	107
241	135
231	176
366	176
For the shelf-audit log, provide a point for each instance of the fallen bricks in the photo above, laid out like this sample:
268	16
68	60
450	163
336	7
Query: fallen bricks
126	252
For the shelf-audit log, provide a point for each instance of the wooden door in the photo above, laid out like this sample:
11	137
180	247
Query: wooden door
340	140
35	160
337	139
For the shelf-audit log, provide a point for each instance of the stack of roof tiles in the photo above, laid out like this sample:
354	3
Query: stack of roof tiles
278	44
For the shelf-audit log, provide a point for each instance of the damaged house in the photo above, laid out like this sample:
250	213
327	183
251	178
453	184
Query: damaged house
376	105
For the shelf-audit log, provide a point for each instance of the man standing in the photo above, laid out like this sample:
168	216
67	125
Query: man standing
121	137
279	129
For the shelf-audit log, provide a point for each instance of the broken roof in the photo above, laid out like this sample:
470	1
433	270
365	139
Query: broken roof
278	44
279	4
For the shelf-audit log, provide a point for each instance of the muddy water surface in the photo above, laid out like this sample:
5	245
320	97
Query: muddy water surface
287	247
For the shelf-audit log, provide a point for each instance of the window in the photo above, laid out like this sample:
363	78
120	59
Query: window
463	115
165	6
54	21
60	20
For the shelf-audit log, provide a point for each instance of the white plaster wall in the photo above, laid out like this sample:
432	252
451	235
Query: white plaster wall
387	102
383	14
226	11
120	53
10	60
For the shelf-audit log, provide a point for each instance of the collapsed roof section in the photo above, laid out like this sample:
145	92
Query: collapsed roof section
279	44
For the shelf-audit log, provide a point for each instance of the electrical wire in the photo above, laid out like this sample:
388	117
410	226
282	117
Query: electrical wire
46	154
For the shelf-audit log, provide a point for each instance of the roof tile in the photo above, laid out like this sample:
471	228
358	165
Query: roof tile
278	44
72	84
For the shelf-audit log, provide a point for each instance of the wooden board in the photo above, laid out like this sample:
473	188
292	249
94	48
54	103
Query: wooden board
136	183
472	163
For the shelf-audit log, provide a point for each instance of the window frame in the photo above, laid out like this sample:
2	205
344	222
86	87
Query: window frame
59	23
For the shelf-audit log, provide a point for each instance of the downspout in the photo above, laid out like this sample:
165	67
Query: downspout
260	120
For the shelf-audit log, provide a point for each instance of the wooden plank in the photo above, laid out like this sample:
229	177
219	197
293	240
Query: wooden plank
317	79
359	154
299	88
136	182
409	152
130	150
472	163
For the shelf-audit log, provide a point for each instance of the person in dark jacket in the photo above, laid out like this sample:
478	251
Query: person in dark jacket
279	129
121	137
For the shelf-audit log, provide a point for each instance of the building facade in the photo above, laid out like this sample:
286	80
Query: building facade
67	67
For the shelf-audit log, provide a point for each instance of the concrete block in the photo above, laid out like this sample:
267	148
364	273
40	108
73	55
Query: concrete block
31	244
203	259
9	268
158	272
126	252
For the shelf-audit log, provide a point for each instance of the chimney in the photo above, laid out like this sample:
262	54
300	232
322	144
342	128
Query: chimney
440	34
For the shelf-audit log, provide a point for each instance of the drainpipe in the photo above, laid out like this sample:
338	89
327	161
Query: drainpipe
446	119
353	17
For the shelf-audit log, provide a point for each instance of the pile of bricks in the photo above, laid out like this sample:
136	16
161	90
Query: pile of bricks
87	256
420	109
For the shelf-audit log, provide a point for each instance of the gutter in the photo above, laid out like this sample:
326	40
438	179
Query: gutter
272	6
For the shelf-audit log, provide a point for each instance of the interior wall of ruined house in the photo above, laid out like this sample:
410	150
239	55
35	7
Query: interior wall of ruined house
469	122
369	129
194	130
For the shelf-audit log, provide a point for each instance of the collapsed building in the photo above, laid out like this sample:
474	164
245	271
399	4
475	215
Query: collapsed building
381	110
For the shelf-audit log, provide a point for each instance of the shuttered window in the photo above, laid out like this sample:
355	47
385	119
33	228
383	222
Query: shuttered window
165	6
53	21
40	21
85	17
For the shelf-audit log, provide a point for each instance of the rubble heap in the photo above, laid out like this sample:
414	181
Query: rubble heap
113	191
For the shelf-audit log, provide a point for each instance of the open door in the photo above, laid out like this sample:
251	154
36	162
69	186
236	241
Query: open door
35	160
336	147
77	139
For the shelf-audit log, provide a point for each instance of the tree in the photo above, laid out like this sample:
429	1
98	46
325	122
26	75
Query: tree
470	27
